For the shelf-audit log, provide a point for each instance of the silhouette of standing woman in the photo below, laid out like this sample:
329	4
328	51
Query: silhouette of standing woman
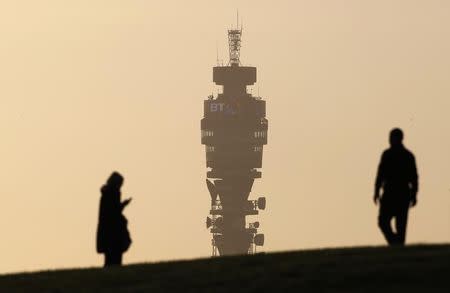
113	238
397	175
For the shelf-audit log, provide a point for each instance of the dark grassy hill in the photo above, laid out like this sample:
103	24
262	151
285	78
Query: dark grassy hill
422	268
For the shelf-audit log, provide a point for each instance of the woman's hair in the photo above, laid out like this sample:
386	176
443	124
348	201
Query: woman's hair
115	179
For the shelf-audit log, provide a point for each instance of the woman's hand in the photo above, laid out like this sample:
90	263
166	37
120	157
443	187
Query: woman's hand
126	202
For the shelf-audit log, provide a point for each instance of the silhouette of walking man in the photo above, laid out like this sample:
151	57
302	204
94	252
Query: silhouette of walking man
397	175
113	238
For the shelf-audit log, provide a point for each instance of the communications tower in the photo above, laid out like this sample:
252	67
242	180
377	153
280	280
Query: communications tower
234	131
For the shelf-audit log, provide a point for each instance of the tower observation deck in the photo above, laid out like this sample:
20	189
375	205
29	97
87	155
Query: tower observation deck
234	131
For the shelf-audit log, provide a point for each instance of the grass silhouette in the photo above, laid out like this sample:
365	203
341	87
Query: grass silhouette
417	268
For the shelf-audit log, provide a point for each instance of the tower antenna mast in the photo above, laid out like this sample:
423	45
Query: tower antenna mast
234	44
217	53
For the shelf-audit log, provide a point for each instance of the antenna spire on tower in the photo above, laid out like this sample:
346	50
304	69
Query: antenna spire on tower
217	53
234	43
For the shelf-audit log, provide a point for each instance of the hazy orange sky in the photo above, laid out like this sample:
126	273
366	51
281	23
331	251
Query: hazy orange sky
88	87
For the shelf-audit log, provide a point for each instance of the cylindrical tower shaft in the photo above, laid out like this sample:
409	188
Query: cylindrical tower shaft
234	130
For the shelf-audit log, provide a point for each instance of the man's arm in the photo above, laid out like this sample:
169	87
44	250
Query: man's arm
380	178
414	181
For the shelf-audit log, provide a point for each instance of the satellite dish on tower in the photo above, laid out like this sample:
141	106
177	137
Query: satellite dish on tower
212	190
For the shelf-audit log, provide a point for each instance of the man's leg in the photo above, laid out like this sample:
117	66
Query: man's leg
401	221
384	222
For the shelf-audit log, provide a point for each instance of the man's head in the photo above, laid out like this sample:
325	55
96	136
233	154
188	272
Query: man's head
396	137
115	180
